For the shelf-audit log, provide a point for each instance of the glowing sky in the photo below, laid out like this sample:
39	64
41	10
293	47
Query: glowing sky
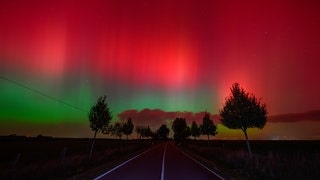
167	55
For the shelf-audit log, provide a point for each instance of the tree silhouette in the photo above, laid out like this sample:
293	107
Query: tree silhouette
163	132
187	132
147	132
99	117
143	132
195	130
128	127
138	131
208	127
116	129
180	129
242	111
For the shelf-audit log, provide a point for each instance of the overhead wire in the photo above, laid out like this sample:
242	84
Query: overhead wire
41	93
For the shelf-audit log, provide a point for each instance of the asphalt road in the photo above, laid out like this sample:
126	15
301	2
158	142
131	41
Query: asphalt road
164	162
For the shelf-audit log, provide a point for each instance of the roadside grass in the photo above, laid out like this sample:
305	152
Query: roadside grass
63	158
271	159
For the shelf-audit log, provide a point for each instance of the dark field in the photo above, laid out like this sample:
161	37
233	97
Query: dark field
60	158
270	159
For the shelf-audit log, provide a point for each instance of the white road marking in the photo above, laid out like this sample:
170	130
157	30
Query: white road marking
122	164
163	161
220	177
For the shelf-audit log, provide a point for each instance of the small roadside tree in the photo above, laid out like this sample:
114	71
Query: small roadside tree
180	129
144	132
138	131
117	130
195	130
128	127
242	111
208	127
187	132
99	117
147	132
163	132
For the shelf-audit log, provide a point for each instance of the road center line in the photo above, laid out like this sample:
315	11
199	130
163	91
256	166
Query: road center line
163	161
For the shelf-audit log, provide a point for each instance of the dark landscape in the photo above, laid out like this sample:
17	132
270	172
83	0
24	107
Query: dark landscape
62	158
159	89
270	160
41	158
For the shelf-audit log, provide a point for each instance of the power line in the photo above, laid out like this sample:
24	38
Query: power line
41	93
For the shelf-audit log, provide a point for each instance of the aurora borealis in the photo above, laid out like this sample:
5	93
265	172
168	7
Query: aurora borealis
156	59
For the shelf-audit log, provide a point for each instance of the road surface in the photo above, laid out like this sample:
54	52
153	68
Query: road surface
162	162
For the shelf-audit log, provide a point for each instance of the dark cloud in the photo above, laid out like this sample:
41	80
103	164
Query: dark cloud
156	117
296	117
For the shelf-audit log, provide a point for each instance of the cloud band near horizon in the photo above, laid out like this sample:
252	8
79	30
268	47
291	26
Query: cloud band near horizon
156	117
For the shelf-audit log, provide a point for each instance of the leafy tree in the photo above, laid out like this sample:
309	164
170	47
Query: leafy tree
99	117
128	127
195	130
187	132
107	129
163	132
147	132
138	131
208	127
143	132
116	129
242	111
180	129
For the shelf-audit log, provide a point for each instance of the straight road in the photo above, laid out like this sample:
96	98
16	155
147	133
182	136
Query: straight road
164	162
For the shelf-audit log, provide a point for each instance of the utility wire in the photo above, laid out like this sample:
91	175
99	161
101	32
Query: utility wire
41	93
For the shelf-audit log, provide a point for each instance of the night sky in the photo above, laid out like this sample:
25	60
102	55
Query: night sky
156	60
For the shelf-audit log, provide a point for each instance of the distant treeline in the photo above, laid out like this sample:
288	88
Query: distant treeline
14	137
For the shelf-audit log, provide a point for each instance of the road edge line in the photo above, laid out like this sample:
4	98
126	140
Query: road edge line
163	161
220	177
122	164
